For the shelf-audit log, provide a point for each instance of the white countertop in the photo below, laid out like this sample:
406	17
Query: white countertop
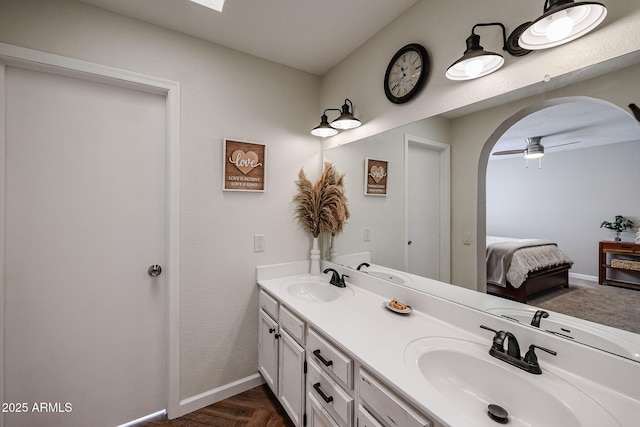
377	337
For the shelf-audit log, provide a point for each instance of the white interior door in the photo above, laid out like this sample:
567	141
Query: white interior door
427	208
85	218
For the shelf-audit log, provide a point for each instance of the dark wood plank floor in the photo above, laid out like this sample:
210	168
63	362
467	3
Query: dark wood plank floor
257	407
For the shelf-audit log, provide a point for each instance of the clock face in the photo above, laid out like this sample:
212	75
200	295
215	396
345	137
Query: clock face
406	73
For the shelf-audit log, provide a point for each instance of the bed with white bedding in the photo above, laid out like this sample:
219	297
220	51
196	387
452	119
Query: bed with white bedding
519	268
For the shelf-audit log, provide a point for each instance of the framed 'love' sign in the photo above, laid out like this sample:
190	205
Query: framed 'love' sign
375	177
243	166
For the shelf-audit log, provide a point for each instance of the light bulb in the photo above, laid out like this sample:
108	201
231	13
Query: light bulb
560	27
473	67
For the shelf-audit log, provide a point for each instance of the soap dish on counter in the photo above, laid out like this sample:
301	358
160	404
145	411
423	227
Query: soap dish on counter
393	306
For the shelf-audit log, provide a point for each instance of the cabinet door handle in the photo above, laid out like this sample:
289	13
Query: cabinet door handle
324	361
276	336
272	330
324	397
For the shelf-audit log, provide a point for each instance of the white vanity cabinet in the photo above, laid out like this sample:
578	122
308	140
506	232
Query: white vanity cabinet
281	355
291	366
329	382
381	407
268	335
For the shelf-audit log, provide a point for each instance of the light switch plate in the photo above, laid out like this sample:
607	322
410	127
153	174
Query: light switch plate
366	235
259	242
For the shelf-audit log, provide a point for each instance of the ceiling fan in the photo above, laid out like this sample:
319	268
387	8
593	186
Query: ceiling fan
533	149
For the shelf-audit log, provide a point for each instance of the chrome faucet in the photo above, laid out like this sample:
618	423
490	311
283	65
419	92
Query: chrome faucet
336	280
540	314
512	356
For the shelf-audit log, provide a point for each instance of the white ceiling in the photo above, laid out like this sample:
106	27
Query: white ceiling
310	35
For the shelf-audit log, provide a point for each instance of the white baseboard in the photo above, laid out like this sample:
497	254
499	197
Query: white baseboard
217	394
584	277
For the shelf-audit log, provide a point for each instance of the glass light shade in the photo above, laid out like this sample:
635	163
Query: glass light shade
346	122
346	119
562	23
475	64
324	130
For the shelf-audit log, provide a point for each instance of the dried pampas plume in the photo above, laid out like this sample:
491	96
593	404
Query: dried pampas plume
321	206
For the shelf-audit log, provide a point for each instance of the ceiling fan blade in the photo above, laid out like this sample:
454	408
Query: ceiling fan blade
560	145
502	153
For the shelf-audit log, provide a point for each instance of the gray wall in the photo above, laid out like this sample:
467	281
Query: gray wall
567	199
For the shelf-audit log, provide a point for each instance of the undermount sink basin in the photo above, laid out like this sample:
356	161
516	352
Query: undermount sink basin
316	291
576	330
464	374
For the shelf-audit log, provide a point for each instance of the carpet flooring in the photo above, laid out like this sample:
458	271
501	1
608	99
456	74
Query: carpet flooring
608	305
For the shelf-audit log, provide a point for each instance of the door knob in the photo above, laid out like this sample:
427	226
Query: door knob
154	270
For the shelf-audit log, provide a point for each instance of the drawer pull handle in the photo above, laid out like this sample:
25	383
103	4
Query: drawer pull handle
324	361
324	397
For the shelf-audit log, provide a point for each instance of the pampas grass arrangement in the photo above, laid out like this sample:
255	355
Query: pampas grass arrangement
321	206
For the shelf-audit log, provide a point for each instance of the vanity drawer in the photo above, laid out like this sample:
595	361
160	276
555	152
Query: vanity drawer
292	324
318	417
387	406
268	304
329	394
330	358
365	419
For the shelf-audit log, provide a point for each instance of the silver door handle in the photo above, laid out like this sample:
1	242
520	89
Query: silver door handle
154	270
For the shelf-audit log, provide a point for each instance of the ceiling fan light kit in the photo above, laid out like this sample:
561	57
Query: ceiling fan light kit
532	150
562	21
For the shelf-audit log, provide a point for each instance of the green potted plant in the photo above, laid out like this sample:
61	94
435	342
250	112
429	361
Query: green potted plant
618	225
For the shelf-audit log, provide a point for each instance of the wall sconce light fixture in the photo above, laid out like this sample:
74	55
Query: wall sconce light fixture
561	22
345	121
476	62
324	129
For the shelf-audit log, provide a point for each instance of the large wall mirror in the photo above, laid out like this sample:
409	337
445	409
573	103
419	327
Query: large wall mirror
588	174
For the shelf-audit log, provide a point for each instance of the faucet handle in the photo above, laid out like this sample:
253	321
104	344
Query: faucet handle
531	358
489	329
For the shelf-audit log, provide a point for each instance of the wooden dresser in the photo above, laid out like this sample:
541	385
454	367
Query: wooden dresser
621	256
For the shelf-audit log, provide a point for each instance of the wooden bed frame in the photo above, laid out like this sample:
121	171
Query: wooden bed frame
537	282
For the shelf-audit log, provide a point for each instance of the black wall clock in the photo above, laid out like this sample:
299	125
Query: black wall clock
406	74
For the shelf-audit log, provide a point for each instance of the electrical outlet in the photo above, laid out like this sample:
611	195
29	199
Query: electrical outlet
366	235
259	242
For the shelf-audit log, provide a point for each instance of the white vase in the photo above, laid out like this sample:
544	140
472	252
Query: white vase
315	257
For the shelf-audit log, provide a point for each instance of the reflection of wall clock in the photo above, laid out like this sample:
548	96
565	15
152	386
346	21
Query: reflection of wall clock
406	73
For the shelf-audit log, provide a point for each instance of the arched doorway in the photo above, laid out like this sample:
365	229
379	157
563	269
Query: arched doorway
577	118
